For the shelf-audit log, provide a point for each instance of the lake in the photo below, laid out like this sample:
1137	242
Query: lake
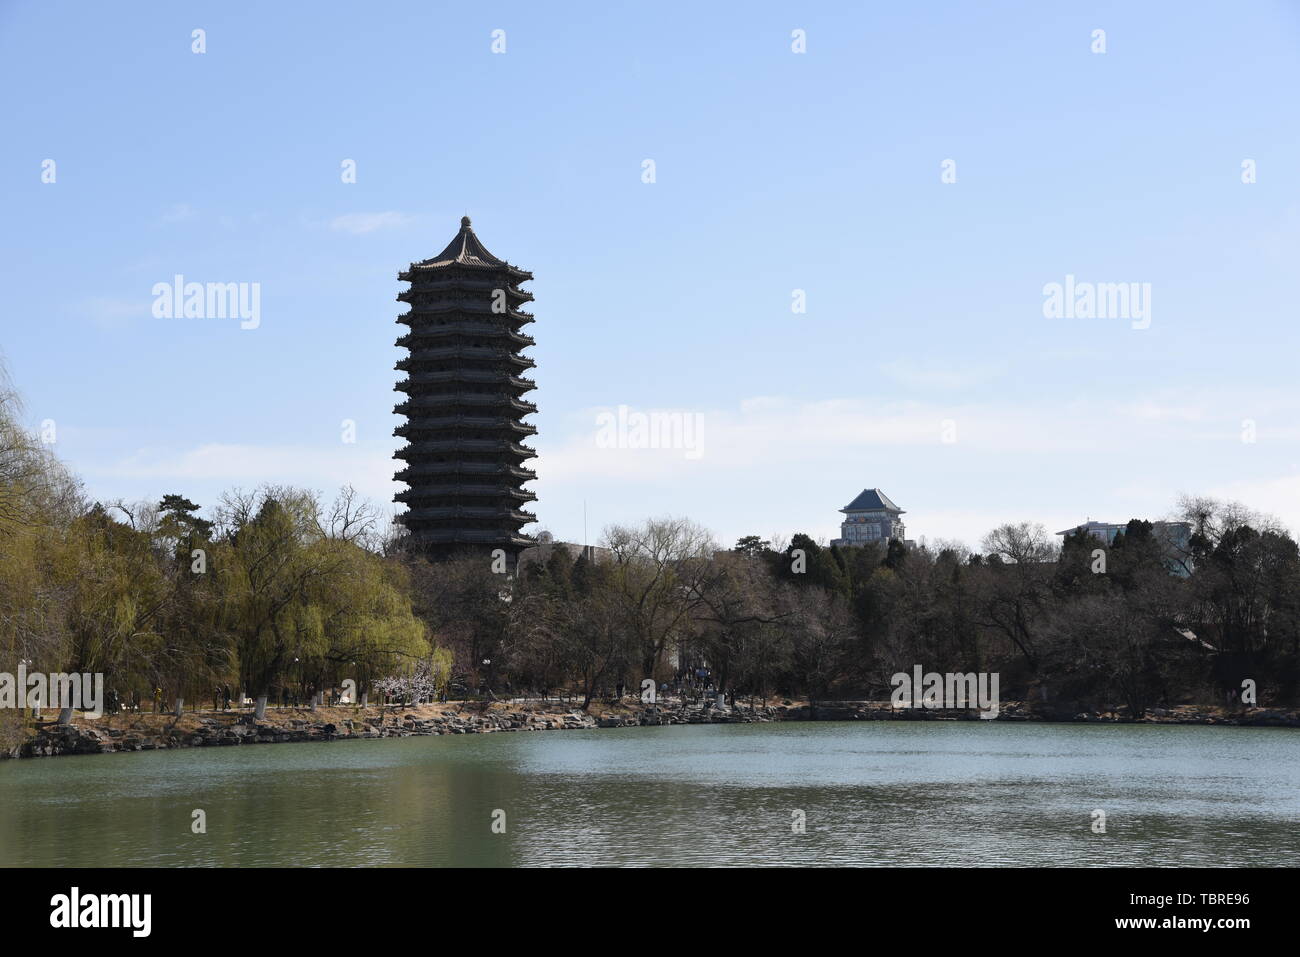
870	793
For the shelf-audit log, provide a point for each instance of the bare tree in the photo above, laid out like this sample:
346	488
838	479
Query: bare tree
660	572
351	518
1022	564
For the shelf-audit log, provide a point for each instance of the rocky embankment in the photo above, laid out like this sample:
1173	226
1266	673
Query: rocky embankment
148	732
1025	711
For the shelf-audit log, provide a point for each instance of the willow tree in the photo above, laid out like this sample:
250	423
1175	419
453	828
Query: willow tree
38	498
305	607
116	594
362	624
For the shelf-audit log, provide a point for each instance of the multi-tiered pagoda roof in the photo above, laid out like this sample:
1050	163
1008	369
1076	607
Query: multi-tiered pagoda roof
465	387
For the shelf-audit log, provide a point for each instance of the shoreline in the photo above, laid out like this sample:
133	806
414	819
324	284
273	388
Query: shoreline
123	733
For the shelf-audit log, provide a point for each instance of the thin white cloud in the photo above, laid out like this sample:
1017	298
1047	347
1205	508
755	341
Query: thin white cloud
937	376
1278	497
773	432
369	468
110	313
361	223
177	213
786	464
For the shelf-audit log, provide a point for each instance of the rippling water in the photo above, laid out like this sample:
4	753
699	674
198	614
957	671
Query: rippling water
879	793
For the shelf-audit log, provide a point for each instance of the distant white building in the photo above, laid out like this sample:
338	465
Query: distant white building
546	546
1174	533
1174	536
871	517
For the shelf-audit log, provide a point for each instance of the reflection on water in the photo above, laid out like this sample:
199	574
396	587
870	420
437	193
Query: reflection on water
879	793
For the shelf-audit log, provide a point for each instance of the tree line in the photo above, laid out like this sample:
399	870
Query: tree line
1141	622
282	595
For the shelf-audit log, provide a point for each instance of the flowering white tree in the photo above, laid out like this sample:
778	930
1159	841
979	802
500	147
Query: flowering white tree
425	682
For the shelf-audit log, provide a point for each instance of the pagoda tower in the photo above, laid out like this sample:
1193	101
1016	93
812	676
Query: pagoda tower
464	406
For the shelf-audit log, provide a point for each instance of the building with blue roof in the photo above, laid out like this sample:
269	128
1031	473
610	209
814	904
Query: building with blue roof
871	517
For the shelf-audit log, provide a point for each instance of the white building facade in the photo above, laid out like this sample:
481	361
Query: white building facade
870	518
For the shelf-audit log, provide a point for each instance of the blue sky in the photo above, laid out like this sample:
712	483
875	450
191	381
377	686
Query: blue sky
775	171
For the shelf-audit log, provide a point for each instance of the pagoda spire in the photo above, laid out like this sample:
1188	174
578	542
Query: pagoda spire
464	402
